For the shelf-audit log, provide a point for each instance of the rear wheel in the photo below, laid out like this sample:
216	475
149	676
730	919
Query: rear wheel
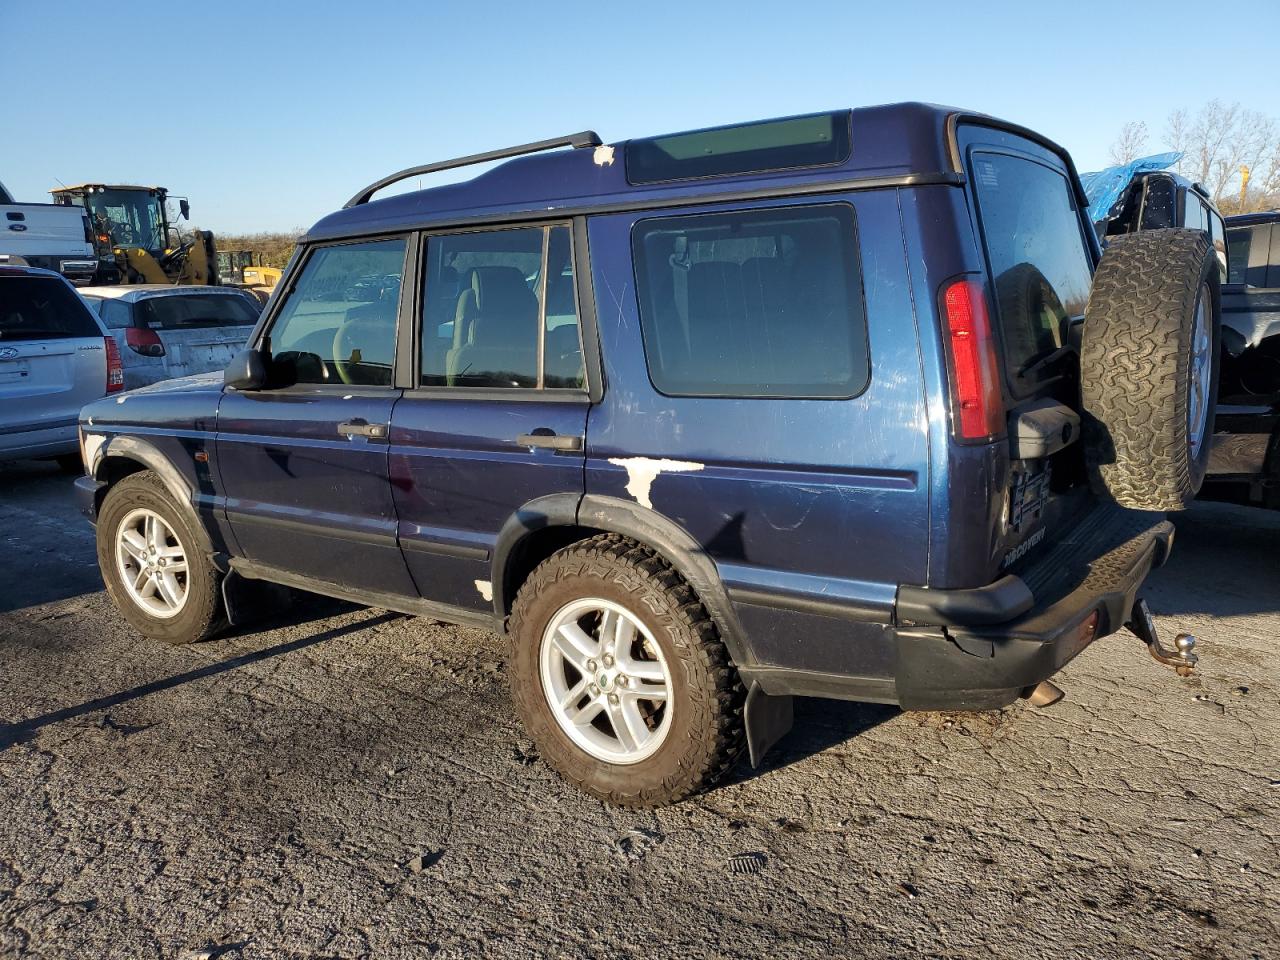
155	571
1149	368
620	677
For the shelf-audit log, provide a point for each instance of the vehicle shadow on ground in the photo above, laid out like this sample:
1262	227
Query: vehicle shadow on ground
819	726
1225	562
23	730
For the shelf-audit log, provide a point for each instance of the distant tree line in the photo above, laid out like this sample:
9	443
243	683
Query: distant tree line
274	248
1232	152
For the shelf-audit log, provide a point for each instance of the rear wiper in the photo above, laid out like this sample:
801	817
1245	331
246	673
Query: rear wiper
1045	360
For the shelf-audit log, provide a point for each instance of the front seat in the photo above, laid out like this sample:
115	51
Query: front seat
495	331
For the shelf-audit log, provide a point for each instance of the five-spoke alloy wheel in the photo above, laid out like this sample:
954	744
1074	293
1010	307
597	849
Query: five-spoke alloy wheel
606	681
152	563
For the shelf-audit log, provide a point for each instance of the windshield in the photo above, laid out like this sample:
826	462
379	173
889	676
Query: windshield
196	310
130	217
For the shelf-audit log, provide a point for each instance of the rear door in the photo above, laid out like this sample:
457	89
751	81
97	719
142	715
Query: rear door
52	355
1040	271
193	332
303	463
499	413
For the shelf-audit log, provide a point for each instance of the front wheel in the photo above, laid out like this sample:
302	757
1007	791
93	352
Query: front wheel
149	553
620	677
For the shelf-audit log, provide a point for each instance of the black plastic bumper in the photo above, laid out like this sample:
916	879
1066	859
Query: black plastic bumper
87	496
983	664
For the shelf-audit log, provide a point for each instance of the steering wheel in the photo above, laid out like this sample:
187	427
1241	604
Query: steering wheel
346	358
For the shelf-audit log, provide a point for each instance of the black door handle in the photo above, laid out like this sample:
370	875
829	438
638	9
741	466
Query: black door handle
362	428
550	441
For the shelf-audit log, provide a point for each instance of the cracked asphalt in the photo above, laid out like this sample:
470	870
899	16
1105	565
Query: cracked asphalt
346	782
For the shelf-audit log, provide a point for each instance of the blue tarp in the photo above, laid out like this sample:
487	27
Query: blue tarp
1104	188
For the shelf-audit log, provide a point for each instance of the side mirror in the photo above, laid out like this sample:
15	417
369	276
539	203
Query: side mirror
184	208
246	371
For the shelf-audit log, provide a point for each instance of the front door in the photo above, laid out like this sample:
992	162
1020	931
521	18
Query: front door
303	463
498	416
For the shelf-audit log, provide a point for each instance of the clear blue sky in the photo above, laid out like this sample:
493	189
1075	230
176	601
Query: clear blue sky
270	114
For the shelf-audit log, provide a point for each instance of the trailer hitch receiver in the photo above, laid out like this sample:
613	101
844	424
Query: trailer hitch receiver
1183	659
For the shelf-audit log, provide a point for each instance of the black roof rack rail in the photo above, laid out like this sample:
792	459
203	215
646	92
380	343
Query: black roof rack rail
587	138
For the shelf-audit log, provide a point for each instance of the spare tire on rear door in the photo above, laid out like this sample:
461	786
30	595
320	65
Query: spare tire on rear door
1149	368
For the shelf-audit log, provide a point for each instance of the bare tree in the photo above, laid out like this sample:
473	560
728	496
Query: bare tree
1131	143
1217	142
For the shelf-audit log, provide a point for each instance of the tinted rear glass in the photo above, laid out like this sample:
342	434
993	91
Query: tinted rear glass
1238	243
757	303
194	310
1039	263
39	308
815	140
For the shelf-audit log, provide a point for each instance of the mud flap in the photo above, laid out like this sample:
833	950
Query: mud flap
768	719
246	601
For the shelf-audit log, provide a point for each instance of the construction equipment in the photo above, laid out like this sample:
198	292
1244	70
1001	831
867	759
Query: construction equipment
137	242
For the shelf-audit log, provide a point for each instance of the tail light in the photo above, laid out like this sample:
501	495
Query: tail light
144	341
115	369
977	407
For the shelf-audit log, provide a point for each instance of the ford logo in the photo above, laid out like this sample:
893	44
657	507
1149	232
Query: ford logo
8	353
19	227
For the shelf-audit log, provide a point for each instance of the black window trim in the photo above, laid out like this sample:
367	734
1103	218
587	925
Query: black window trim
261	336
1011	375
786	204
412	334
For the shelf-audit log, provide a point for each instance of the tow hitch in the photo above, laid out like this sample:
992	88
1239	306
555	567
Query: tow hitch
1144	628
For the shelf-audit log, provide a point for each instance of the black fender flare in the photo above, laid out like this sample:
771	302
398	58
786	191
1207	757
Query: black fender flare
646	526
139	450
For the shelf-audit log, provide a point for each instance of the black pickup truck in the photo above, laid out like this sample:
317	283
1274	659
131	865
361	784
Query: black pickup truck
1247	446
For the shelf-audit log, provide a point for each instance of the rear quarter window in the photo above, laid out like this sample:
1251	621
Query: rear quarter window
753	303
1040	267
40	308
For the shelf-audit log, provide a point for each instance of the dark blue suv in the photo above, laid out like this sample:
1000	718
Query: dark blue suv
703	421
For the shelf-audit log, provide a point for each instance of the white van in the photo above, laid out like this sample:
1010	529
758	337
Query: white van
48	236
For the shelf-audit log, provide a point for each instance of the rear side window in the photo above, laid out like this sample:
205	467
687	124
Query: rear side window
338	325
500	311
36	308
183	311
1040	267
756	303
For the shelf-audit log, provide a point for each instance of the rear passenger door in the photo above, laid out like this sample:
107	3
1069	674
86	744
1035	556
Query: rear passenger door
303	463
498	415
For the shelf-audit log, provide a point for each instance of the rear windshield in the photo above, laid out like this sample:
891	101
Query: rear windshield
195	310
40	308
1039	263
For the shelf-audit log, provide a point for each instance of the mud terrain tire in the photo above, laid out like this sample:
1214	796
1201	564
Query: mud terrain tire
1136	368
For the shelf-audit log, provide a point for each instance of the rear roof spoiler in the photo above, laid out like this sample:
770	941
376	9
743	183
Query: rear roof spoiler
587	138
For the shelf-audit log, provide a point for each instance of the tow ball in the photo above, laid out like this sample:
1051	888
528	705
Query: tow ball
1143	627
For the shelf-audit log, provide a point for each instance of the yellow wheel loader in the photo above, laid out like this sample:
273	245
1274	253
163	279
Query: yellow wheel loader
136	241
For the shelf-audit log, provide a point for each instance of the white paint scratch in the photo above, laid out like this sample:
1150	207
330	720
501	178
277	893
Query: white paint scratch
642	471
603	155
485	588
92	445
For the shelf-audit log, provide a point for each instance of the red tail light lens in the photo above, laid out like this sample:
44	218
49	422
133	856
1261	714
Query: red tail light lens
977	405
115	369
144	341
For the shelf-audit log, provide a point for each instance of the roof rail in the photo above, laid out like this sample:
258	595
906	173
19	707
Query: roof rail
587	138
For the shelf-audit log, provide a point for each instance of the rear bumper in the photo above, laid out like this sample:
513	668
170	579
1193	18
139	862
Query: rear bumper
977	661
